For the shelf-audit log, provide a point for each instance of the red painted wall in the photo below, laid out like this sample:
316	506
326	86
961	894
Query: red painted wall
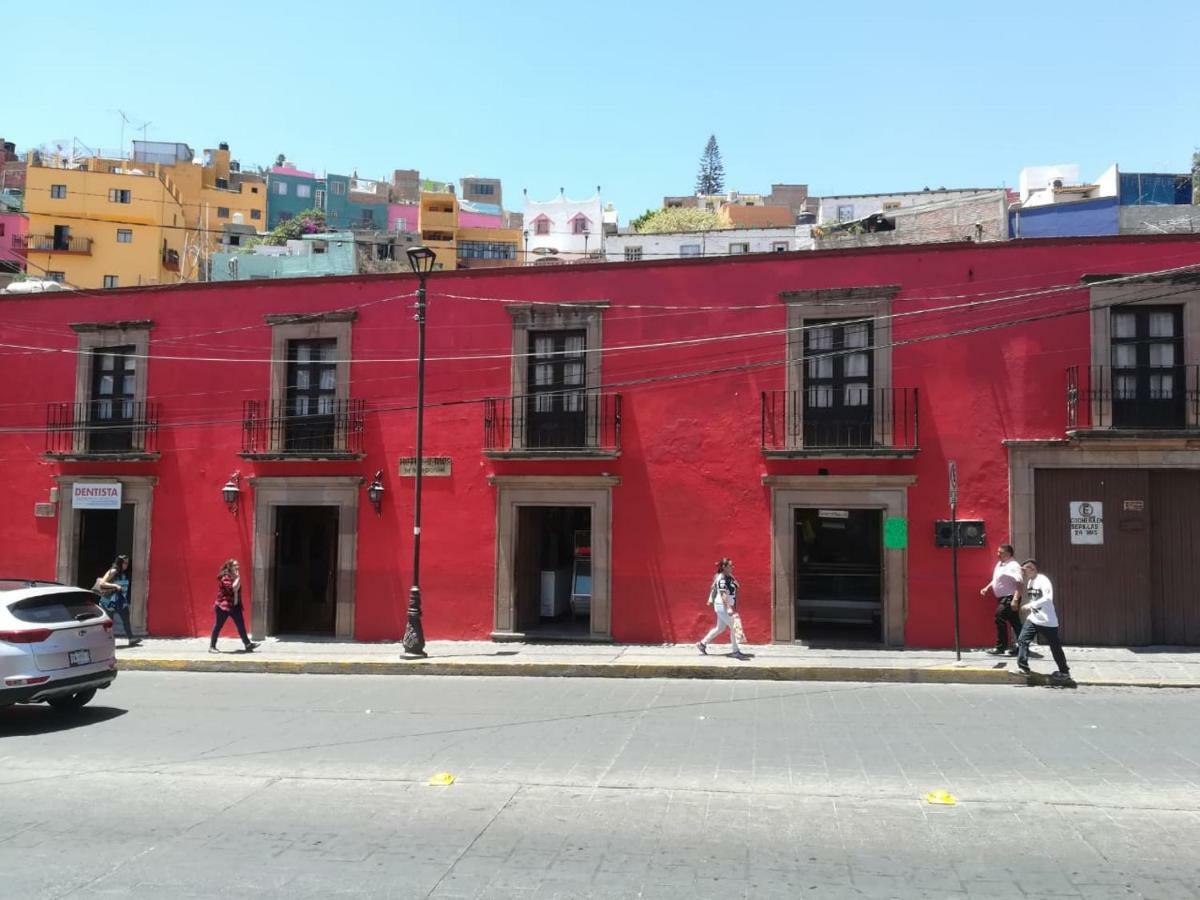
691	468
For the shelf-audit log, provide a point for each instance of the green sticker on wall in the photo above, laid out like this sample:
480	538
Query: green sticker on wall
895	533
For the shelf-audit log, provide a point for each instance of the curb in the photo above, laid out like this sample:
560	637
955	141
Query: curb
866	674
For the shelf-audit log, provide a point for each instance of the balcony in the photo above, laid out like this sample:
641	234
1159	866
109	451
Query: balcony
885	425
49	243
274	431
102	429
170	260
1144	399
553	425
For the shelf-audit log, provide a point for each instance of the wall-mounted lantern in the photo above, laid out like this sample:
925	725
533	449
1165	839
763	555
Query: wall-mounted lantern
375	491
230	492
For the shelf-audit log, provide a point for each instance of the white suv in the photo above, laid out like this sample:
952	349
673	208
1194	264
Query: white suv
56	644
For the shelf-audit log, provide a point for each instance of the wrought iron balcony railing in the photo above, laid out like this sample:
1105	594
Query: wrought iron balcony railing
101	427
276	428
558	422
884	419
49	243
1153	398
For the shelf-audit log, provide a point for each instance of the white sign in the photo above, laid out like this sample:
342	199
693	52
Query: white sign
96	495
1087	522
833	513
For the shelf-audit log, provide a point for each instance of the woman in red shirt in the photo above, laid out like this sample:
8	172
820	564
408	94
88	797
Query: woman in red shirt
229	605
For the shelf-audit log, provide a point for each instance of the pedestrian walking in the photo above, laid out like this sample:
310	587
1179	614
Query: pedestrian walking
113	586
722	597
1041	620
229	605
1006	585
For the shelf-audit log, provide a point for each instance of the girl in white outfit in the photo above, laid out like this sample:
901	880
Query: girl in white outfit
723	598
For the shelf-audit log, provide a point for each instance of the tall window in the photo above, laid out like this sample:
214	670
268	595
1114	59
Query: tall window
580	225
311	401
304	190
555	405
111	405
222	212
541	225
120	195
58	192
1148	389
111	281
838	409
280	188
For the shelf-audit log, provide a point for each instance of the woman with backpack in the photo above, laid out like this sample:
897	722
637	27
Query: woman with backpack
229	605
113	587
722	597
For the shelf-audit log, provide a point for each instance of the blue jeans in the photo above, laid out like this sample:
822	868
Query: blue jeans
1049	634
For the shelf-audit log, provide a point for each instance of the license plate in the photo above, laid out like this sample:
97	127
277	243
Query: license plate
79	657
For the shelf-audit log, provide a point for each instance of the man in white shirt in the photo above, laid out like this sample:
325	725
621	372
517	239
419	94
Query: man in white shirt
1042	620
1006	585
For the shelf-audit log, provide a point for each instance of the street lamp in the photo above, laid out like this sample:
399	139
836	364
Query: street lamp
421	260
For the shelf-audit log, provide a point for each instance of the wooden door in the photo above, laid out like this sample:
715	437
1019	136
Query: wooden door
1174	509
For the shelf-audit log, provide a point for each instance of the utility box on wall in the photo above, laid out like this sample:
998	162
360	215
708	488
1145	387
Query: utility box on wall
970	533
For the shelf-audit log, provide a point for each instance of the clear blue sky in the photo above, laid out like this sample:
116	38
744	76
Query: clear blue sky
846	97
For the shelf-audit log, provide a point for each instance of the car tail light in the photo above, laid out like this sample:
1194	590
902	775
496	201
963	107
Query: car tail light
28	636
25	680
108	624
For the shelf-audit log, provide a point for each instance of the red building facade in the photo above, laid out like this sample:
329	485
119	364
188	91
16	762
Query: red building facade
602	434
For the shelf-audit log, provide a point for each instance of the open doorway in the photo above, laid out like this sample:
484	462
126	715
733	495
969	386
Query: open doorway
839	576
305	570
553	571
103	534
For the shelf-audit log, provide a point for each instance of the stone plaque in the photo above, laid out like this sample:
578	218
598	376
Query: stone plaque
435	466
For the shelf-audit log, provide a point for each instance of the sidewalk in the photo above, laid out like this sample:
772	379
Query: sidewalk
1090	666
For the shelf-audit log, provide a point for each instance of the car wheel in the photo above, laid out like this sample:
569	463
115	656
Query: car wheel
71	702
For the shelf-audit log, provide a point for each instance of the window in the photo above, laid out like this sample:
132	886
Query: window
483	190
737	249
367	216
62	238
338	187
311	394
124	235
1148	389
1	229
222	184
486	250
320	199
845	212
256	213
119	195
837	384
60	277
689	249
254	190
779	247
281	188
113	396
222	212
554	412
58	191
541	225
633	254
303	190
580	224
110	281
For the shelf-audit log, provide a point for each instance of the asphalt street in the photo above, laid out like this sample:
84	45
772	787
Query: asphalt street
204	785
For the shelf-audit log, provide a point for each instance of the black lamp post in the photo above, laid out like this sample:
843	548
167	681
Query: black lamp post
421	260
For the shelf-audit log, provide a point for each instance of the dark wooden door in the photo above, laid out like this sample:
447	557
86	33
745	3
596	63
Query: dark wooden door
1101	591
555	405
306	569
111	411
1148	379
527	574
1174	507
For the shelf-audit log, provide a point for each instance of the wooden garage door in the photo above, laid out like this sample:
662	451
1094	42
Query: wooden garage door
1175	556
1101	591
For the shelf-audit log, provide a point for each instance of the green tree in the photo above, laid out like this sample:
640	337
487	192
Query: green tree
676	219
310	221
711	178
636	224
280	159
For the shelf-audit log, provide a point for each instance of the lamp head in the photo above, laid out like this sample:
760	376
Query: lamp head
421	259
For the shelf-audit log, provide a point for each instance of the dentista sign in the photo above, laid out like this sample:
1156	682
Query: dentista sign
96	495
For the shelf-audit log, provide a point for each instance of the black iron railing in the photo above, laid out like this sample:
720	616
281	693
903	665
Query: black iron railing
277	428
49	243
555	421
884	419
1134	397
100	427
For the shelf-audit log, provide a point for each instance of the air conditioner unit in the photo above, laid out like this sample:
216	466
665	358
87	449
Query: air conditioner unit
970	533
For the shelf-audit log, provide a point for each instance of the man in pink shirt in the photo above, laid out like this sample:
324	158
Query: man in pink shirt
1006	584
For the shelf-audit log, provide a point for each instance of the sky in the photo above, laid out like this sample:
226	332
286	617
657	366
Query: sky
846	97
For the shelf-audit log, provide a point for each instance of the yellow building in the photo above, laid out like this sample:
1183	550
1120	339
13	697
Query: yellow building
463	248
95	229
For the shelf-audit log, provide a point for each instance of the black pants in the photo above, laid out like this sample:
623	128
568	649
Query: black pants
235	613
1006	616
1047	633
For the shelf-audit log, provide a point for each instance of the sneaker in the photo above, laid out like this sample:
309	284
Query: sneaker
1012	652
1066	675
1024	670
213	649
996	651
703	650
250	647
133	642
739	655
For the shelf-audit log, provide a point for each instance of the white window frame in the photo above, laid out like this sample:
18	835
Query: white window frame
124	235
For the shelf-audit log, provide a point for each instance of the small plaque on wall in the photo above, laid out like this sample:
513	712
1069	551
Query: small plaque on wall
431	466
43	510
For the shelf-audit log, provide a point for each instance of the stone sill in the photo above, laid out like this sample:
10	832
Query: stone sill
1190	434
843	453
132	456
542	454
320	456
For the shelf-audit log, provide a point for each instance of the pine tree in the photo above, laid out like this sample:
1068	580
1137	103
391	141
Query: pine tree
711	179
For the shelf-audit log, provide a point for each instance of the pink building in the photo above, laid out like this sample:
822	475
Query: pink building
13	226
402	216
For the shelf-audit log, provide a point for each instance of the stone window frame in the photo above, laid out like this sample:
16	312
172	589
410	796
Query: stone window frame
592	491
887	493
285	327
271	492
872	302
135	489
93	336
1103	296
528	317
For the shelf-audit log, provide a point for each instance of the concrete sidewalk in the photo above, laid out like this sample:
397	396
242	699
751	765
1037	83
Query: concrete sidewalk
1093	666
